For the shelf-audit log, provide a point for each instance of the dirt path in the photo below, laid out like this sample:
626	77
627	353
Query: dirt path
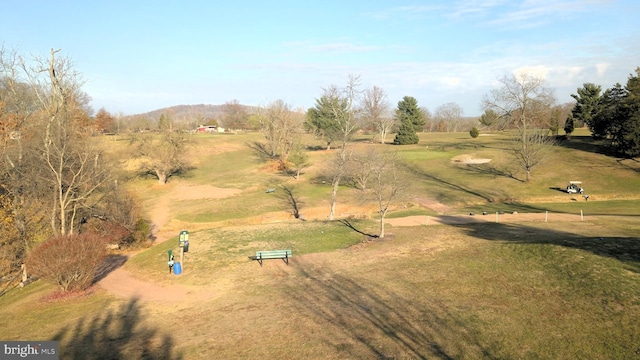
122	283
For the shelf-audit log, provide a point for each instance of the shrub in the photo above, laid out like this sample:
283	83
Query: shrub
119	220
70	261
474	132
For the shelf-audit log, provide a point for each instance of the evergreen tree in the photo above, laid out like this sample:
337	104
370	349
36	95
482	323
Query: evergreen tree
323	119
629	132
408	109
587	107
569	126
406	134
411	119
611	117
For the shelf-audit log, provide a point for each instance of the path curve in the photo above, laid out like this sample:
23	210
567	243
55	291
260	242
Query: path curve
122	283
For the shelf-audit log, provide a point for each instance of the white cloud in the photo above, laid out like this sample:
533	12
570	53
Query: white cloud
601	69
539	71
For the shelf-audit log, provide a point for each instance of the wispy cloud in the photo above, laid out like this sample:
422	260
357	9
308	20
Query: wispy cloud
403	12
496	13
338	46
474	8
534	13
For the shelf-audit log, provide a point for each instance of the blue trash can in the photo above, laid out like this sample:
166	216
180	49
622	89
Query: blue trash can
177	268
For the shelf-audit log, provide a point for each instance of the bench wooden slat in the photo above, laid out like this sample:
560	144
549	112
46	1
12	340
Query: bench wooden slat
272	254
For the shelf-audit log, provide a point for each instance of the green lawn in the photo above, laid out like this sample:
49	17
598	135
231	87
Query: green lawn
526	290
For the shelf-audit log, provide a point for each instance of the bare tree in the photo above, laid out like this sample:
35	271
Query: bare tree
281	127
387	183
525	101
534	153
429	123
347	124
161	156
360	166
72	165
376	110
53	175
450	114
235	116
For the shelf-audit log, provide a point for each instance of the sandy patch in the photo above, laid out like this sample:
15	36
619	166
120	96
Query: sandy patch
469	159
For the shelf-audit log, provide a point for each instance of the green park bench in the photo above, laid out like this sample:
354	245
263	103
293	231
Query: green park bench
272	254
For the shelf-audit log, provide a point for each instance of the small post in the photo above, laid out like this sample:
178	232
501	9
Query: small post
496	217
170	262
183	240
428	219
581	216
546	216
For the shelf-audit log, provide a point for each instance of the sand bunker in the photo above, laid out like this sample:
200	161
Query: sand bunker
469	159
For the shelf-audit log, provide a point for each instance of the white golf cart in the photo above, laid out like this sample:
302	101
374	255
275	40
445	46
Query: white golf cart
575	187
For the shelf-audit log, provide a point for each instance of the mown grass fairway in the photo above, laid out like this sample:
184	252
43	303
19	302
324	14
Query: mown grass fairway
507	290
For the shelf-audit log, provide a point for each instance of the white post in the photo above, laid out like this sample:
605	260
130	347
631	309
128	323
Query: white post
581	216
496	216
428	219
546	216
182	258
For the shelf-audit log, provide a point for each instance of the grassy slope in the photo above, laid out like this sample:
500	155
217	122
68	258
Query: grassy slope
543	290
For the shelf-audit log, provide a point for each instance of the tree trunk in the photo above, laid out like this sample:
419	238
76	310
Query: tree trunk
334	193
382	215
162	177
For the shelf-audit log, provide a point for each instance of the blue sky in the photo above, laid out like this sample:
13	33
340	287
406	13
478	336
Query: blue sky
139	56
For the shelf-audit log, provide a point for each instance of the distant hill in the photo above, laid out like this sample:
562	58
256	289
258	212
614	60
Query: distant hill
190	113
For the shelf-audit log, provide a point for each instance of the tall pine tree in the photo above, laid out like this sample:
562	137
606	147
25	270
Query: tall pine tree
629	139
411	119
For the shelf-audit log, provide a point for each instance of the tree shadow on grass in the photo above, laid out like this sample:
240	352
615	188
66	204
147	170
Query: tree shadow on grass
368	320
491	170
117	334
109	264
586	143
348	224
424	175
260	150
624	249
287	195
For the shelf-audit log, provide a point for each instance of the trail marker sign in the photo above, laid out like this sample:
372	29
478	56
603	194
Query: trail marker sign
183	238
